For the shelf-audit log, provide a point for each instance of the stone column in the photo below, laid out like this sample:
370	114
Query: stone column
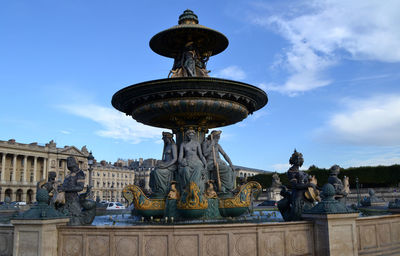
335	228
36	237
3	167
23	196
34	168
14	173
25	168
335	234
44	168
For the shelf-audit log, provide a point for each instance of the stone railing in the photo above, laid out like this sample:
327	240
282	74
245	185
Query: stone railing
6	239
290	238
378	235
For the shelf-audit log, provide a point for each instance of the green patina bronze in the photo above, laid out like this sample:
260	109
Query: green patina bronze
329	205
192	180
42	210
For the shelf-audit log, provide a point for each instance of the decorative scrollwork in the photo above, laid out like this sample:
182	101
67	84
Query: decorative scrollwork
243	198
134	194
193	199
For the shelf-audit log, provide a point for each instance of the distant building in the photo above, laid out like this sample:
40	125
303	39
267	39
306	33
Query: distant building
244	172
142	169
24	165
109	180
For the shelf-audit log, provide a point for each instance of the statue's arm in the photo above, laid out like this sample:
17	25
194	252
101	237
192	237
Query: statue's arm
225	156
174	157
75	188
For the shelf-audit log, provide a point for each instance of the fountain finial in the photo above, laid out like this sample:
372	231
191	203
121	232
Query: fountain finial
188	17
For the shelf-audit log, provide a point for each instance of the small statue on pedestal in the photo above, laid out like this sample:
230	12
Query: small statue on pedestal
303	191
80	210
341	190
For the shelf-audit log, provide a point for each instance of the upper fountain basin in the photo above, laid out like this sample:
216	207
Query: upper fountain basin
189	101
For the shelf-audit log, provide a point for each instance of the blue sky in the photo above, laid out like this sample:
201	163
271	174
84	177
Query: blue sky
330	68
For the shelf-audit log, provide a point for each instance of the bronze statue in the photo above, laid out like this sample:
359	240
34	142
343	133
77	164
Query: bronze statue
276	181
189	63
222	174
161	177
192	163
341	193
80	210
303	190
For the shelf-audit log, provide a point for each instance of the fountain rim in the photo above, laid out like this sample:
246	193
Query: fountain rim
181	83
157	42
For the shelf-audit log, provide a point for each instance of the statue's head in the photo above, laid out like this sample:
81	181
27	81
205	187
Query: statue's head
216	134
52	176
296	159
190	134
167	136
334	170
72	165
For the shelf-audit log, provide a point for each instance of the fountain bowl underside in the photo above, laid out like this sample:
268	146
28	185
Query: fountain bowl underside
189	101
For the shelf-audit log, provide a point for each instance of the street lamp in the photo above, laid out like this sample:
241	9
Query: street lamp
358	192
90	159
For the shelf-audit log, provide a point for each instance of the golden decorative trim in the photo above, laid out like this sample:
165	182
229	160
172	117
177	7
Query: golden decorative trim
243	198
134	194
192	199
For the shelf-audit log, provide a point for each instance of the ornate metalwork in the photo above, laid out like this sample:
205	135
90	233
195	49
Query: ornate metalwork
134	194
171	103
243	198
329	205
193	200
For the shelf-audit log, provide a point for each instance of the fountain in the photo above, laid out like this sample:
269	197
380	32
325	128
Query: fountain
192	181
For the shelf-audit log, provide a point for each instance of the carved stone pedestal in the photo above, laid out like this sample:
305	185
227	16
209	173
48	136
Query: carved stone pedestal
274	194
335	234
36	237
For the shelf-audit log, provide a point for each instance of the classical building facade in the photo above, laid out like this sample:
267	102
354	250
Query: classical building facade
24	165
109	180
142	169
244	172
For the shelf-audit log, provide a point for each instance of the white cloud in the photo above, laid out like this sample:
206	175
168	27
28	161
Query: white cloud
281	167
65	132
322	32
372	121
377	160
232	72
116	124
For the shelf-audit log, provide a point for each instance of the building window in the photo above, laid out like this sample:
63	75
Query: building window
60	163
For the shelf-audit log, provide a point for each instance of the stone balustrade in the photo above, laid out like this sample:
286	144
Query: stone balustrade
378	235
